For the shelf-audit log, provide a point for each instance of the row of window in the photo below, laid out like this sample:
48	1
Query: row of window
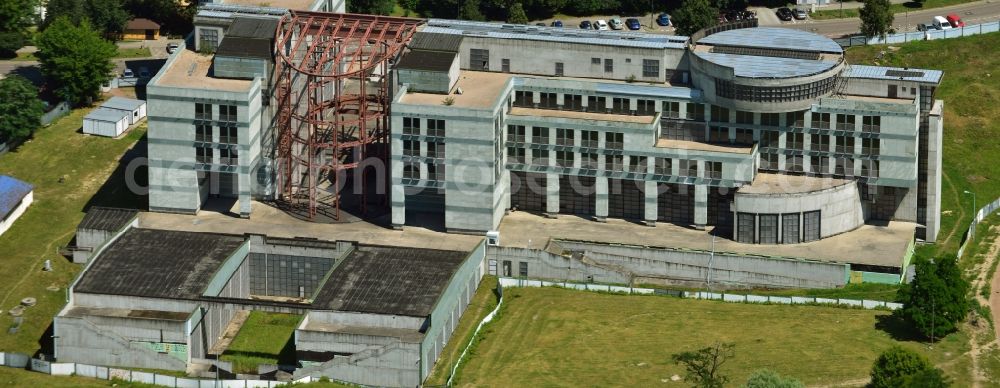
842	144
434	149
754	228
566	137
820	165
734	91
226	113
412	126
227	134
206	155
590	161
435	171
479	59
574	102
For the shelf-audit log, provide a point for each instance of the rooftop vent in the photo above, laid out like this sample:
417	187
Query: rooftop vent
903	73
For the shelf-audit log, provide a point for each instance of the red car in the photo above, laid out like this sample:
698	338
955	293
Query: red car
955	21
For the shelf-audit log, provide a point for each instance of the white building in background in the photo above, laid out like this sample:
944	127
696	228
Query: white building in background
15	197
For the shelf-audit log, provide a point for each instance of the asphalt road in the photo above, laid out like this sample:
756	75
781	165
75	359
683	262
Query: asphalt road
971	13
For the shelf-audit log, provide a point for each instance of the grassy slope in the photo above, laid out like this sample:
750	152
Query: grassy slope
970	89
265	338
85	162
833	12
482	303
21	378
870	291
556	337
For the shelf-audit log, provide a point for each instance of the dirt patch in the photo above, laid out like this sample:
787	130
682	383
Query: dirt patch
975	178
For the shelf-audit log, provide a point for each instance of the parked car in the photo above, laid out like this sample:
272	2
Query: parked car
171	47
941	23
557	23
801	14
784	13
585	25
128	73
633	24
601	25
663	20
924	27
615	24
955	20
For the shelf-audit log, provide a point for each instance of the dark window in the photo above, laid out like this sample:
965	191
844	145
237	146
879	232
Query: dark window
613	162
713	170
821	120
411	126
435	172
203	155
515	155
671	109
565	136
689	168
663	166
540	135
869	168
588	161
203	133
411	148
871	124
819	142
597	104
744	136
768	228
743	117
844	166
523	269
795	119
745	228
769	138
637	164
548	100
573	102
506	268
769	119
411	170
844	122
620	105
209	39
793	163
435	127
588	139
564	159
227	113
228	157
609	65
845	145
645	107
650	68
695	112
479	59
613	140
718	134
539	157
523	99
811	225
595	61
505	65
720	114
870	147
790	228
794	141
515	133
435	150
559	69
228	135
202	111
769	161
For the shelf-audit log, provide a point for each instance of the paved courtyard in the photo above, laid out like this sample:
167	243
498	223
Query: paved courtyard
870	244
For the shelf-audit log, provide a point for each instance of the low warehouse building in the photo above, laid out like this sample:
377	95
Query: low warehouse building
15	197
105	122
141	29
373	315
136	109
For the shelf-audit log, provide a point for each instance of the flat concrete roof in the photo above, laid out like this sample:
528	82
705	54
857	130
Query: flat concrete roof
107	115
869	244
789	184
389	280
79	312
405	335
122	103
480	89
893	73
699	146
570	114
902	99
300	5
158	263
773	38
191	70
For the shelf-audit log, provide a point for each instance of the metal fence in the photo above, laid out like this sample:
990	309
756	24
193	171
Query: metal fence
58	111
739	298
974	29
982	213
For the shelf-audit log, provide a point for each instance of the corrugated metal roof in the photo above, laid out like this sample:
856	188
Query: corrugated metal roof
767	67
554	34
122	103
105	114
427	60
12	191
107	218
879	72
773	37
238	46
436	42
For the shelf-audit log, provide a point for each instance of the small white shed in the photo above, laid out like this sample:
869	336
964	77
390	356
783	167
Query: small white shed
106	122
135	108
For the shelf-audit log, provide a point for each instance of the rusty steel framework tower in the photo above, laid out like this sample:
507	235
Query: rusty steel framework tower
332	94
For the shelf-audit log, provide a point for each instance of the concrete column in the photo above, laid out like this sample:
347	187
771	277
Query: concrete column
700	206
551	195
633	104
650	208
935	122
243	188
806	158
536	98
756	229
831	147
857	162
560	99
781	145
601	208
682	110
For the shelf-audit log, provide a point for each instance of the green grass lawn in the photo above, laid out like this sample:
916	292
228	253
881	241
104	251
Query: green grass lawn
265	338
869	291
833	12
92	175
12	377
138	52
482	303
558	337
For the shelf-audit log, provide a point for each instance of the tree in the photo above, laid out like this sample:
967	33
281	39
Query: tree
517	15
766	378
876	18
16	16
374	7
927	378
74	10
470	11
75	60
107	15
694	15
894	365
703	365
937	299
20	108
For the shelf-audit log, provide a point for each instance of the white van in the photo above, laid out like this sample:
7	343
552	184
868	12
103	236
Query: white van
941	23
